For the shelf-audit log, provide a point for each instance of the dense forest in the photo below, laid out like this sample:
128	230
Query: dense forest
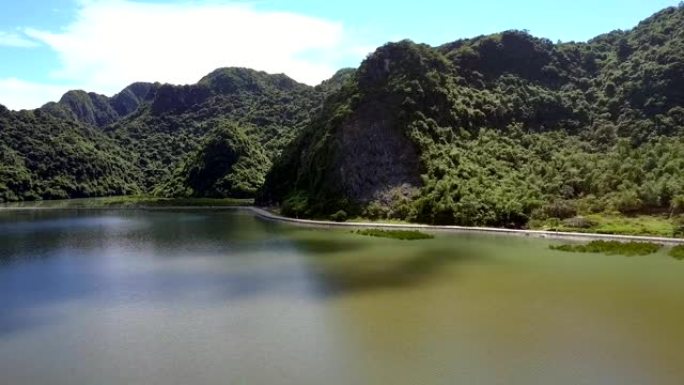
505	130
144	138
498	130
42	157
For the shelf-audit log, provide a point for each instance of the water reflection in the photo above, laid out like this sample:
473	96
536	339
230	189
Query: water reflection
208	258
215	297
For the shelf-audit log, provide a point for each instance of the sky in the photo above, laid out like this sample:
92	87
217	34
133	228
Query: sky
48	47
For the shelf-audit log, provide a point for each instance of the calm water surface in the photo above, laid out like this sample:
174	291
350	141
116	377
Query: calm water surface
201	297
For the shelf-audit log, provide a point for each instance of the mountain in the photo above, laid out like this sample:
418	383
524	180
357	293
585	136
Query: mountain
504	130
498	130
271	109
147	134
99	110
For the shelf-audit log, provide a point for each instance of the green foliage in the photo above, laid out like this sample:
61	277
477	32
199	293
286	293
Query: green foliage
677	252
408	235
227	164
150	137
169	129
500	130
579	223
296	205
613	223
42	157
678	228
133	201
507	129
339	216
611	248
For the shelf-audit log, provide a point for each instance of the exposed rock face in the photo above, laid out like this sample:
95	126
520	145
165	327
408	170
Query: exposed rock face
414	117
132	97
99	110
375	156
359	151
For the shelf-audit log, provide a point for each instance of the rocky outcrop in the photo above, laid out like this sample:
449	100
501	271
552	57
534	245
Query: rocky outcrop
99	110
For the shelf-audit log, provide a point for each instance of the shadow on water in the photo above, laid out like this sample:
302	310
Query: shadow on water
410	270
59	263
342	263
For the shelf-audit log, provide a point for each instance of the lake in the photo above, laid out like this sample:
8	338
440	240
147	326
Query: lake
223	297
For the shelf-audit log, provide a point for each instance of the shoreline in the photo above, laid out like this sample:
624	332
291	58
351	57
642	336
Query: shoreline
267	215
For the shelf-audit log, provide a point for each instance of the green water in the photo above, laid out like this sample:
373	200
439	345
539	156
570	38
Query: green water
221	297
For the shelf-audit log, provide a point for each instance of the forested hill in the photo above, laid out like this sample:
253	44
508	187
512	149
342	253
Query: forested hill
161	134
502	129
43	157
498	130
139	140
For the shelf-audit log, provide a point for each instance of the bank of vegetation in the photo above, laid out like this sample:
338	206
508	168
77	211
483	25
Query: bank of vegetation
404	235
504	130
611	248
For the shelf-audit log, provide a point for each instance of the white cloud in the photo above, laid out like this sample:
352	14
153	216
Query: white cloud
17	94
115	42
12	39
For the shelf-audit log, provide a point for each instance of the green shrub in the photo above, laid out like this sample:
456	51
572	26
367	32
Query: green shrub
339	216
559	209
296	205
678	228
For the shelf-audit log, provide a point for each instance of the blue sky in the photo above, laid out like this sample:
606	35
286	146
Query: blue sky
50	46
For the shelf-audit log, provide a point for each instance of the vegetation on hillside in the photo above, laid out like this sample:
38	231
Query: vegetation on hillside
227	164
42	157
144	138
507	128
498	130
162	134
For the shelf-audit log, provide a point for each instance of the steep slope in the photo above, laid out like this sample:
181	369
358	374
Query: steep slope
99	110
498	130
42	157
227	164
142	138
162	133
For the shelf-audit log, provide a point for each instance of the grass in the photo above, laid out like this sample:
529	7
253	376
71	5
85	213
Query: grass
611	248
138	201
653	225
380	220
177	202
407	235
677	252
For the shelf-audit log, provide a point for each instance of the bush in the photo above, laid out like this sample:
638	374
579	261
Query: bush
626	202
296	205
552	223
375	210
339	216
678	228
559	209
